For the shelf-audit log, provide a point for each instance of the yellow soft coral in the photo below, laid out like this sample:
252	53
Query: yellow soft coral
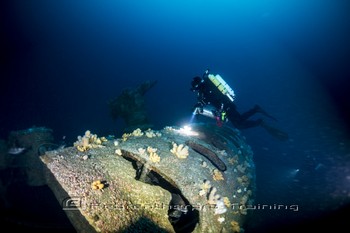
150	133
181	151
204	188
137	132
153	156
125	136
227	202
97	184
235	226
217	175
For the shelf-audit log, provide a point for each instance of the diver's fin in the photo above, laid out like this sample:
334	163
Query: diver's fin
262	111
275	132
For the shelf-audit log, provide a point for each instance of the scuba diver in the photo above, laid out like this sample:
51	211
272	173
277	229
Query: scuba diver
216	100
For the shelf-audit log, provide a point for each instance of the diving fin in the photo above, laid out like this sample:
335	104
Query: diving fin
275	132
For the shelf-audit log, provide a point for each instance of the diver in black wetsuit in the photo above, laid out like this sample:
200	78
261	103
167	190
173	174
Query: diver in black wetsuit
216	100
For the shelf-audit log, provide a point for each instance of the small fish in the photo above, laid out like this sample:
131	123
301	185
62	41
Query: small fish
16	150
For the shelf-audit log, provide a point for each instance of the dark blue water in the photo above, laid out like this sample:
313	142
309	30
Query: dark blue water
62	61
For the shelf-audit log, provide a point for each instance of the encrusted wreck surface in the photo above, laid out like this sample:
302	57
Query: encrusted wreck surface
168	180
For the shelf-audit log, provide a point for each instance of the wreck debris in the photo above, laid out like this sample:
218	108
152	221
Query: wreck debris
150	189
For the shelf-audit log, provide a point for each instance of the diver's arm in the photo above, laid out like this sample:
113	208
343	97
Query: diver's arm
206	73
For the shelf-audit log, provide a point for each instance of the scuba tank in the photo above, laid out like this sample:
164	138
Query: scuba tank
223	87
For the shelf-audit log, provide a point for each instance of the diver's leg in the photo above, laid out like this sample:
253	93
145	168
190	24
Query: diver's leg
262	111
256	109
249	113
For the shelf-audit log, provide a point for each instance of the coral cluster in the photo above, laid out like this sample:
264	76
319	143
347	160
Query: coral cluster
241	168
221	204
118	151
169	128
217	175
153	156
89	141
141	150
204	188
136	133
97	184
227	202
244	180
217	200
232	161
151	134
235	226
181	151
